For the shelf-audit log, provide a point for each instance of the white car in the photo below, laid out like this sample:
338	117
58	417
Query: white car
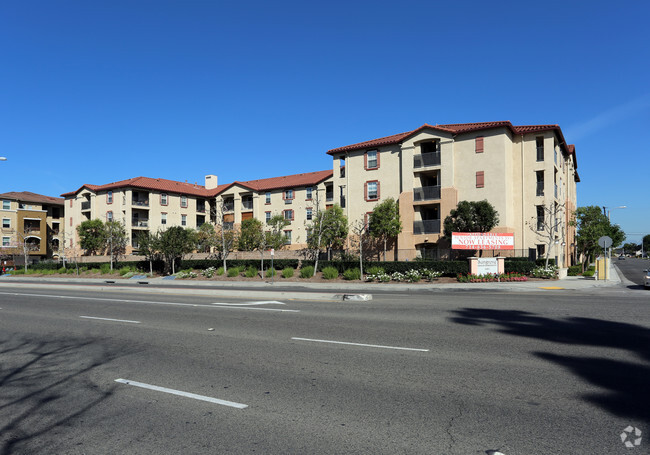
646	279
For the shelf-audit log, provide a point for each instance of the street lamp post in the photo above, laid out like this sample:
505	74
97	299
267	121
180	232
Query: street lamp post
609	212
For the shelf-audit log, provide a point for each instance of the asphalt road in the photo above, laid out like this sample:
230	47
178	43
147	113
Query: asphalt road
450	373
632	269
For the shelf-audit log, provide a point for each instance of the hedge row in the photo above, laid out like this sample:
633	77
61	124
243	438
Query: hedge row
448	268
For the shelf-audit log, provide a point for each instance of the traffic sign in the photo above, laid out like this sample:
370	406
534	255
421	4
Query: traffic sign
605	241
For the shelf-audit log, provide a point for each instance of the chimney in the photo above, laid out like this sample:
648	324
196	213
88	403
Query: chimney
210	182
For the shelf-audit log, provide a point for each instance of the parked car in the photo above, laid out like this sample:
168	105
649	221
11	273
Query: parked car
621	257
646	278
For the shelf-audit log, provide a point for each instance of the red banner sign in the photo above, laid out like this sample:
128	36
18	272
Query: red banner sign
482	241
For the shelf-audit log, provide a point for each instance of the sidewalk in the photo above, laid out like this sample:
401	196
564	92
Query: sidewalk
300	289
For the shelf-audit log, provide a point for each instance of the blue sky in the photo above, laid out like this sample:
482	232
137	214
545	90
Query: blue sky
99	91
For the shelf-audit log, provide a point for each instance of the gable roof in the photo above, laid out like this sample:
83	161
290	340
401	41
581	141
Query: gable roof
457	128
172	186
28	196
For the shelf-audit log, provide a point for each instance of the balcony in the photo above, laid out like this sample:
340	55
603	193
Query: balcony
32	230
140	202
540	189
426	227
426	160
200	208
426	193
140	224
85	206
229	207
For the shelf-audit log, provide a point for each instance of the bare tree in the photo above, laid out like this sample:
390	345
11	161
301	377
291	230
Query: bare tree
226	232
360	230
25	247
547	224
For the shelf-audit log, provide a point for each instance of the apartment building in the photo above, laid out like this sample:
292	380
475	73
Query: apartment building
34	219
146	204
518	169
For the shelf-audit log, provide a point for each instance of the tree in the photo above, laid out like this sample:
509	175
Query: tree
251	235
115	240
548	226
631	248
360	230
174	243
92	236
227	237
26	247
206	238
328	229
646	243
591	224
384	221
276	238
471	216
148	246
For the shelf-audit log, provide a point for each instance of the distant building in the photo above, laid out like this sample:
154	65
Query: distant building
518	169
34	219
146	204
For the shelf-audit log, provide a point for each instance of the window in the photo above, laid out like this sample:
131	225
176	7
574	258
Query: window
6	223
184	201
183	220
539	141
288	215
342	166
56	212
309	213
540	217
268	197
372	190
6	241
309	190
6	205
478	144
480	179
109	216
109	197
163	199
540	183
371	159
163	218
541	250
55	228
287	237
288	196
267	216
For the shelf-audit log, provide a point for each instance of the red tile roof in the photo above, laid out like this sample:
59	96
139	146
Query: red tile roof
26	196
172	186
457	128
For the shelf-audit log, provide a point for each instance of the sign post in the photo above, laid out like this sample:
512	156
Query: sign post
605	242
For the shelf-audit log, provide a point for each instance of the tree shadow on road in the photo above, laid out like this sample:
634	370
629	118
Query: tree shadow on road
625	383
45	385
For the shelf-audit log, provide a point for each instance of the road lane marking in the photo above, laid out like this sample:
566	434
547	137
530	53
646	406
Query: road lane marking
551	287
232	404
360	344
266	302
148	301
108	319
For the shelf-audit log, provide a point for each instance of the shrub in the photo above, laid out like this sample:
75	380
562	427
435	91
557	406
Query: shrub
183	274
71	271
287	272
589	273
307	272
17	272
233	271
251	272
574	270
209	272
94	270
105	268
413	276
61	270
220	271
330	273
270	272
541	272
374	270
352	274
430	275
126	270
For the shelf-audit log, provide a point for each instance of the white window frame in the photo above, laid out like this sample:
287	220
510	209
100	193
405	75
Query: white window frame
6	204
8	220
310	213
163	218
6	241
268	197
376	161
183	220
376	192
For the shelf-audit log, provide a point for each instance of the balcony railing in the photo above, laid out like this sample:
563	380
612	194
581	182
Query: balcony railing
426	193
200	209
426	159
247	205
140	203
426	227
229	207
540	188
85	205
32	230
140	223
